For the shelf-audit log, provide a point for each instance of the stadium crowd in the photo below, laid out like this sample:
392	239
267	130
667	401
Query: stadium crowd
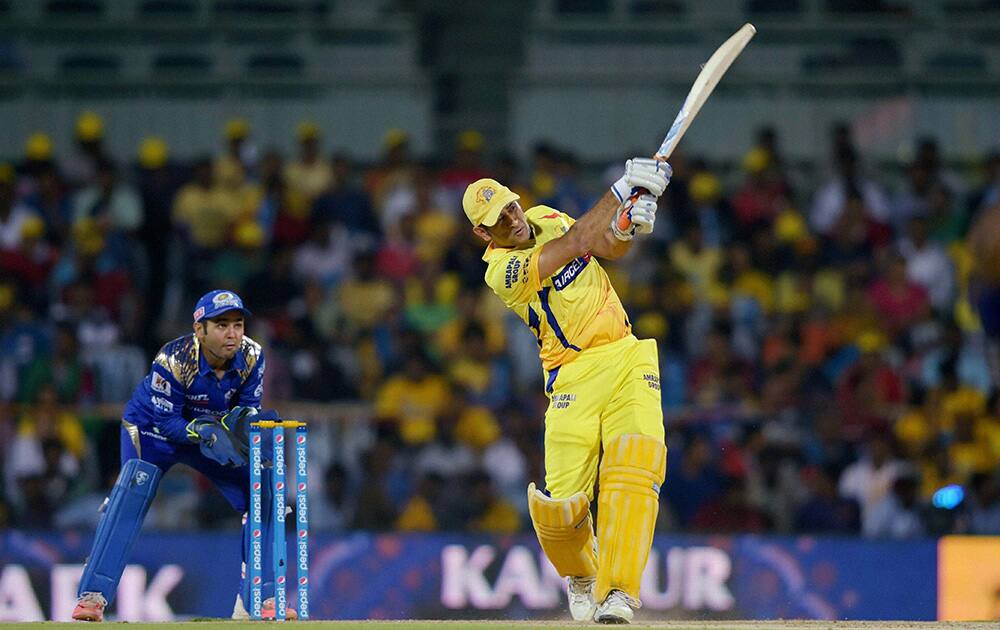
821	367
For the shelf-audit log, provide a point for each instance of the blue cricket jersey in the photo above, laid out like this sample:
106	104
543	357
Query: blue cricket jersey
182	386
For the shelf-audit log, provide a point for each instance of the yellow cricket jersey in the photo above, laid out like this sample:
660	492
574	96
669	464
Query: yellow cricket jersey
573	310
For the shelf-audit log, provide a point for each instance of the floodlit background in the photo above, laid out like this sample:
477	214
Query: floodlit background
831	417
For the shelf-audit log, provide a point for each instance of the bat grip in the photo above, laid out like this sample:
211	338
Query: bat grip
624	223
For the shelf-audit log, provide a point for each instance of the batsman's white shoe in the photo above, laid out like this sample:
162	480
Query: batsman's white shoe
580	591
616	608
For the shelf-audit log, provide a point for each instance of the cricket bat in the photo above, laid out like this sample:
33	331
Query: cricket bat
708	78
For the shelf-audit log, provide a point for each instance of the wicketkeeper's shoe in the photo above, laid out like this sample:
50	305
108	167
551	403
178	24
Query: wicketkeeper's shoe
616	608
90	607
580	591
267	611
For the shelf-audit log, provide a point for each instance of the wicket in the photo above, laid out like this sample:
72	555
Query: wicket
255	564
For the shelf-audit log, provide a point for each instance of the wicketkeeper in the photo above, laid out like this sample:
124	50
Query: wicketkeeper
603	384
192	408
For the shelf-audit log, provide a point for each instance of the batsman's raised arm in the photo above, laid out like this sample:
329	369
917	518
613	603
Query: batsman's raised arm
596	232
500	221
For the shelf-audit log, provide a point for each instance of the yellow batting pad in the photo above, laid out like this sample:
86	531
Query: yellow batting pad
632	470
566	532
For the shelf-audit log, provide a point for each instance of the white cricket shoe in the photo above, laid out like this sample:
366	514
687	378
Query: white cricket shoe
616	608
580	591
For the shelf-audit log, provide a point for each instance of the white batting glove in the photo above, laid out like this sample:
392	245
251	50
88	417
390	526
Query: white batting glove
641	216
653	175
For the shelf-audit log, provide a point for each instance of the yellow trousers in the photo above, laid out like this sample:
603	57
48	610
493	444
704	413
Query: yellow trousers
605	392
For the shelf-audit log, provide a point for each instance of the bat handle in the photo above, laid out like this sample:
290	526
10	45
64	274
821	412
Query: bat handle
624	223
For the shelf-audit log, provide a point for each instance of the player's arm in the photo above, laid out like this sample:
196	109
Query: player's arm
167	400
581	238
611	247
591	233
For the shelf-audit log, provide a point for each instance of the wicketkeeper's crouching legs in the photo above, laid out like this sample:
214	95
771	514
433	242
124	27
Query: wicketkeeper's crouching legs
121	519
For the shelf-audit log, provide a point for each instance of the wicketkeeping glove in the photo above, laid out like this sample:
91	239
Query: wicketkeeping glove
238	420
216	442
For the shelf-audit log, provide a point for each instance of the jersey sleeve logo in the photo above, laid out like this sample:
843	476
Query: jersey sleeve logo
160	384
162	404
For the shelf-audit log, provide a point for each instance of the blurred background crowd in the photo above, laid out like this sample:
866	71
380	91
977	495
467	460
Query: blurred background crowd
821	367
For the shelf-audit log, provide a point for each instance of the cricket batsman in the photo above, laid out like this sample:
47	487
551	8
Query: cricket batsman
603	384
192	408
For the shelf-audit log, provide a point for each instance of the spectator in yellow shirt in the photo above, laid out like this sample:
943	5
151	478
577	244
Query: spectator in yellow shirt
434	228
414	399
231	167
750	282
205	210
365	300
699	264
311	174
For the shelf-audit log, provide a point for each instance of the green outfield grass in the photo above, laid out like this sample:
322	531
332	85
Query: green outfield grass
523	625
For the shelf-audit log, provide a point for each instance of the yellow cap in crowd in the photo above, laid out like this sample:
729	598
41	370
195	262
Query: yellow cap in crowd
395	138
89	127
871	341
249	235
756	160
237	129
32	227
307	130
153	152
485	199
790	227
705	188
38	147
471	140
